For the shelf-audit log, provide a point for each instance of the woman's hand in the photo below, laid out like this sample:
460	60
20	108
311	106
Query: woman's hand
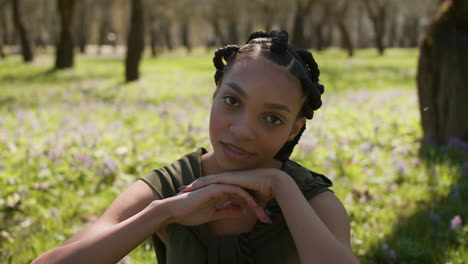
260	182
209	203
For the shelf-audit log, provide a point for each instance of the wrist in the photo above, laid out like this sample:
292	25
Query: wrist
279	180
159	209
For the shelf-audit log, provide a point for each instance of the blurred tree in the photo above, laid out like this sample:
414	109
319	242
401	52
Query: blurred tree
214	13
340	15
106	34
302	9
265	9
26	43
442	75
378	12
2	53
185	10
135	41
4	25
64	50
185	34
153	32
85	10
320	19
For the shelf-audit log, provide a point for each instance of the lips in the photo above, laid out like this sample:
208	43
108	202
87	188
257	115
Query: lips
235	152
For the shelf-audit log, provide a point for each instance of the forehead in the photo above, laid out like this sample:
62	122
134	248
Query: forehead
262	77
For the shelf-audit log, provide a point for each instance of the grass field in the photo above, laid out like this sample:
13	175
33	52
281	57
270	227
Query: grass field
71	141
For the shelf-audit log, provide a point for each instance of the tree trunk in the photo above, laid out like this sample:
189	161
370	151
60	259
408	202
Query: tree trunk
328	35
411	31
346	38
393	29
319	38
232	29
319	28
166	30
135	41
185	35
298	37
340	17
26	44
362	37
4	27
378	15
83	26
442	75
153	35
64	52
249	28
2	54
219	36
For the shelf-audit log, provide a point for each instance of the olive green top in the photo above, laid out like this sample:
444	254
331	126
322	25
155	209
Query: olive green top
265	243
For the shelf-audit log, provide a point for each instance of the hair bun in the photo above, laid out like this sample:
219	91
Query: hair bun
279	40
256	35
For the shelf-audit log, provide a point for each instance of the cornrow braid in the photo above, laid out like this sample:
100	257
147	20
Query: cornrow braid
299	62
226	53
256	35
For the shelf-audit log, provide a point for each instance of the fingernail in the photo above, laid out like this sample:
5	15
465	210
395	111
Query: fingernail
182	187
268	214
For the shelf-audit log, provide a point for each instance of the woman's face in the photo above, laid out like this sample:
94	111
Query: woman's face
254	112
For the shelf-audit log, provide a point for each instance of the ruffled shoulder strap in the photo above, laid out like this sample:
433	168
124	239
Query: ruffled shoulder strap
310	183
166	180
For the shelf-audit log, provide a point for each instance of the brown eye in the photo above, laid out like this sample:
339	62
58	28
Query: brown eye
231	101
274	120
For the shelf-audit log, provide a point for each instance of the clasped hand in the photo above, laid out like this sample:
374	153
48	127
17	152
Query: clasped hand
225	195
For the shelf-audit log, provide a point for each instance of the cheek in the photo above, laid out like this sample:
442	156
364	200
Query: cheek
216	119
274	140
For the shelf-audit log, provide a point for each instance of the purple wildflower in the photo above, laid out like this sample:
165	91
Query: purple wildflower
401	166
109	167
365	147
456	143
456	222
54	213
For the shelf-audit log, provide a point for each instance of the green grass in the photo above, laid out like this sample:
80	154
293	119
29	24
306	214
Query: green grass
70	141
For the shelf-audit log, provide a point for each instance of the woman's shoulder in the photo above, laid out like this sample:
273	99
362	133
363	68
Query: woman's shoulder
166	180
310	182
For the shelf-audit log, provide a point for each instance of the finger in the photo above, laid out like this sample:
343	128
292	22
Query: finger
244	179
201	182
241	193
228	212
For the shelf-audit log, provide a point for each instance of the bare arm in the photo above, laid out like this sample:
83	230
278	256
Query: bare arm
128	221
135	215
319	227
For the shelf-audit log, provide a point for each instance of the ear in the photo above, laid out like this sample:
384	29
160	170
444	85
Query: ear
300	121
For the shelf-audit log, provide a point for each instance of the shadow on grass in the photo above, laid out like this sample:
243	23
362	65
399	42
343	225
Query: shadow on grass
366	76
48	76
426	236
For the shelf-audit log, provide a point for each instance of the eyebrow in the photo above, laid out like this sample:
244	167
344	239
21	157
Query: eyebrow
237	88
241	91
278	107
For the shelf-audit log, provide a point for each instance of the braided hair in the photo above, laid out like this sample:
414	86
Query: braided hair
299	62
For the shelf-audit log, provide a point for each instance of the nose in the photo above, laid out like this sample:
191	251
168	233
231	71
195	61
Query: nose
243	129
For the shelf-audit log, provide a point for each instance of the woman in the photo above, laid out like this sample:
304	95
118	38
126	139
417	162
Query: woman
244	201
